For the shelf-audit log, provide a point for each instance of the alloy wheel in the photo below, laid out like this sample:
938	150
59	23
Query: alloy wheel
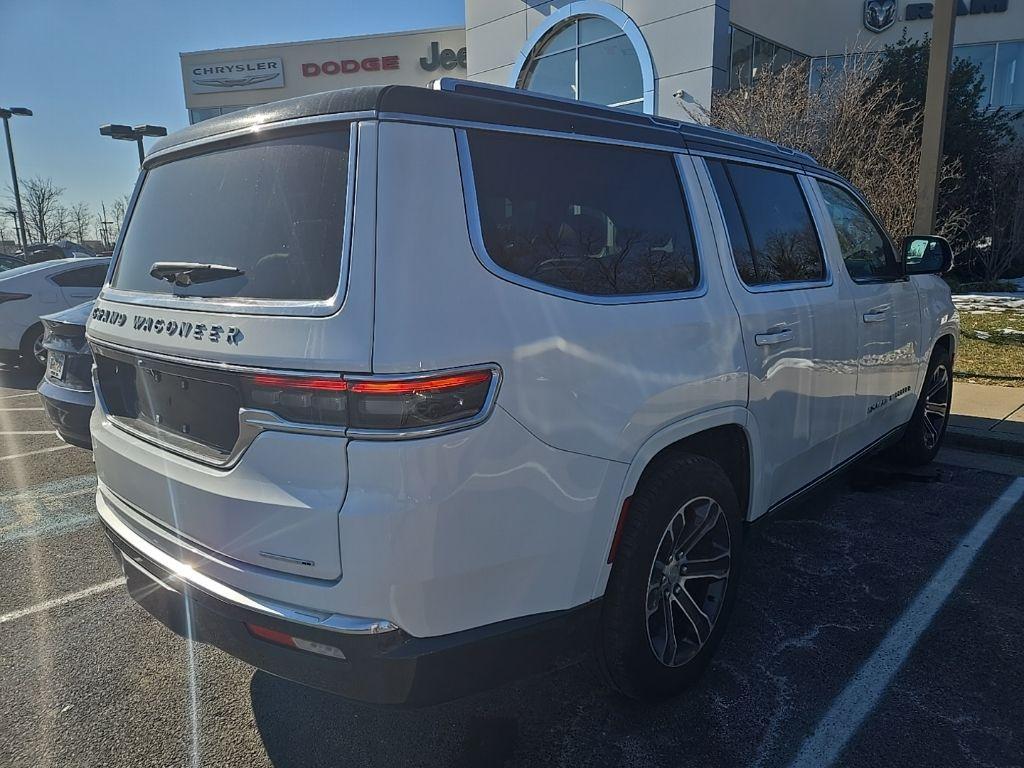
688	579
936	405
38	350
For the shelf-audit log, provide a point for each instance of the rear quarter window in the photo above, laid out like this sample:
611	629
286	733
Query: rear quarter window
584	217
274	209
83	277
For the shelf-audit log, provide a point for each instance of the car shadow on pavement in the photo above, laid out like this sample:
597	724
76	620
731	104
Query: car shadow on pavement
14	377
832	575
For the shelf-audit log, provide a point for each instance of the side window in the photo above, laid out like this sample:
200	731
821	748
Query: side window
584	217
770	226
83	277
866	250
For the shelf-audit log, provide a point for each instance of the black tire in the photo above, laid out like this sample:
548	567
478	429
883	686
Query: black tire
29	362
632	652
927	427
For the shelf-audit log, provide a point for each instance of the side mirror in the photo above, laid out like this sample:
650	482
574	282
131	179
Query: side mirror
927	255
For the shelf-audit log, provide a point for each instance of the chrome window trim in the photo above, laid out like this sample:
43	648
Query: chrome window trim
795	169
799	159
445	122
802	285
480	250
255	306
254	421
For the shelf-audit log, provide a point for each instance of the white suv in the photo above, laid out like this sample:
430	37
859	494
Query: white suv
406	392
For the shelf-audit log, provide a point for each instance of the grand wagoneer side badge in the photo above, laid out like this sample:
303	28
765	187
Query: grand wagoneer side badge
183	329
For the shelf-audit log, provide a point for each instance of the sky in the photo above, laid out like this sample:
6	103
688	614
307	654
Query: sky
78	65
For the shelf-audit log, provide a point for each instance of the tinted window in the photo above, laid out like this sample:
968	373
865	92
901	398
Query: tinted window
865	248
770	226
585	217
275	209
84	277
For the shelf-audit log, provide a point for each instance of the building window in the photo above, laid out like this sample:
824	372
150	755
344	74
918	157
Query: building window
823	67
1008	83
1001	66
587	59
751	55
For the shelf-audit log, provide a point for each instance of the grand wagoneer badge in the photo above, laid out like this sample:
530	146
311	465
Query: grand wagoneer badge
180	328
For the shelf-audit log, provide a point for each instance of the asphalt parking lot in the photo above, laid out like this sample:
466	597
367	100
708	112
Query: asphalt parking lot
87	679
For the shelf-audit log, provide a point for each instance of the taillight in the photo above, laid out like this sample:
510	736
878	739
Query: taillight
376	404
295	398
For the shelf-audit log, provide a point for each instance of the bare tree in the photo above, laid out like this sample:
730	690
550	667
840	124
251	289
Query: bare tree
60	223
850	124
1004	208
118	210
44	214
81	220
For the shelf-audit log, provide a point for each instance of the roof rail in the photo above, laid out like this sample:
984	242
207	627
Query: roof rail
535	98
489	90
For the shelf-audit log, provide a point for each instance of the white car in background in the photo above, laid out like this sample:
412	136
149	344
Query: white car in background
42	289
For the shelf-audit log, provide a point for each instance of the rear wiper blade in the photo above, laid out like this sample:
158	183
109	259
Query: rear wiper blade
186	273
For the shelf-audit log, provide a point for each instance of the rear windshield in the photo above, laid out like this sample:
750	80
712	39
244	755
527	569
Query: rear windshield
275	210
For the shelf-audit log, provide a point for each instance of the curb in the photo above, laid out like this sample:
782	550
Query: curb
984	440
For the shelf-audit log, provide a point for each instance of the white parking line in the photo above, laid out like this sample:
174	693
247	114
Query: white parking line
8	410
51	508
23	394
33	453
95	589
29	432
864	691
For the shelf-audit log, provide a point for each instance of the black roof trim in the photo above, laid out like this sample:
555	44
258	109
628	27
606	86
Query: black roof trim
465	101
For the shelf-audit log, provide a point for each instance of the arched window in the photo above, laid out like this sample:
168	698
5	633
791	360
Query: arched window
587	58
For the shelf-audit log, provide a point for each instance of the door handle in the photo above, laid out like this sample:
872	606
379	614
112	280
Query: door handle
773	337
876	315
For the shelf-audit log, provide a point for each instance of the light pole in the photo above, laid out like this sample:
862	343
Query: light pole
128	133
6	114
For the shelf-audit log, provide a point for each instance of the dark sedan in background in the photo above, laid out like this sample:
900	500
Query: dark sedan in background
66	387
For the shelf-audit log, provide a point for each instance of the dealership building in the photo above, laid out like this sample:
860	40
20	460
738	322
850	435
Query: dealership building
654	56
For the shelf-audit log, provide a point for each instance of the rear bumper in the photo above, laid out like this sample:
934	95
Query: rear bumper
381	665
69	410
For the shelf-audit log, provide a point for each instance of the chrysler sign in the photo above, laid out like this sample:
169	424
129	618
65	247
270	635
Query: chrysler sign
236	76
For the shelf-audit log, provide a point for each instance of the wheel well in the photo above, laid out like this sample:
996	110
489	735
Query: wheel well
945	343
727	446
29	333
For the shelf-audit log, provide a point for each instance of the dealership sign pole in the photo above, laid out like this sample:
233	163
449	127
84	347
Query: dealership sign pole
939	62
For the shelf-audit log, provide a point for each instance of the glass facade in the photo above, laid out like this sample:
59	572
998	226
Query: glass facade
588	59
1001	65
751	55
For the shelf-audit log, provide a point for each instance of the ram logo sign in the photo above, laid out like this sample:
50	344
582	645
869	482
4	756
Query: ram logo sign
879	15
